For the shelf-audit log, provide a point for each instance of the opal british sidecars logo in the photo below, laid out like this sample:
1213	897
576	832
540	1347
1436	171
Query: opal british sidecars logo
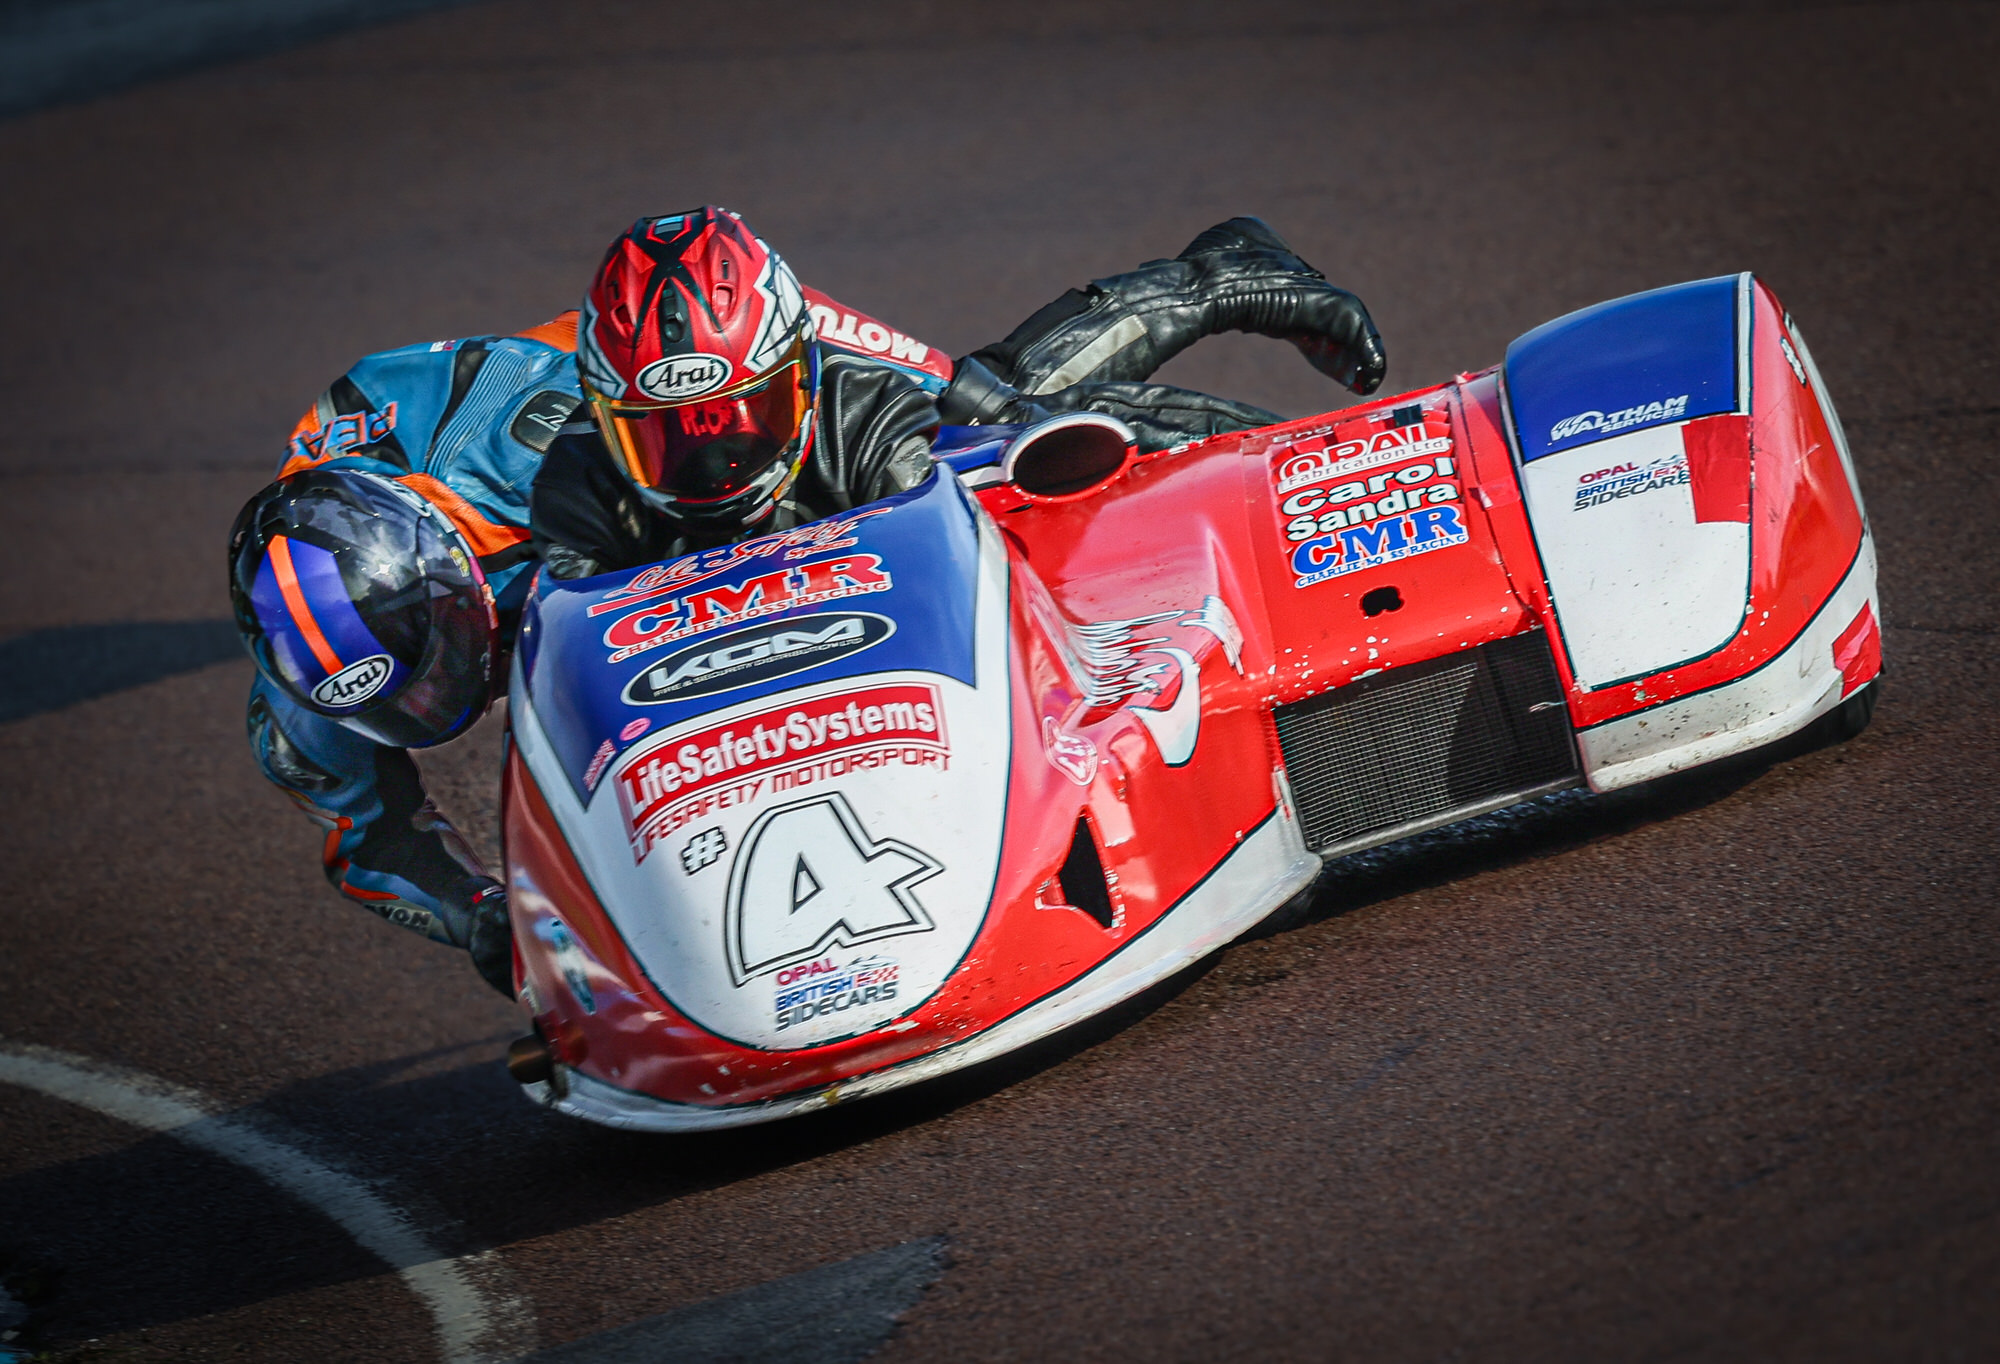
355	683
680	377
761	653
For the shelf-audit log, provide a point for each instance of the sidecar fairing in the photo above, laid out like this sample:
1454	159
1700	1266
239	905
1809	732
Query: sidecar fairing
842	808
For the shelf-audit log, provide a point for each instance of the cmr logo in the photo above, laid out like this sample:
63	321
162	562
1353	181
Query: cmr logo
762	653
355	683
681	377
707	605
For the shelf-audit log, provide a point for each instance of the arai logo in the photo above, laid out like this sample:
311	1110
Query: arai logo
761	653
680	377
355	683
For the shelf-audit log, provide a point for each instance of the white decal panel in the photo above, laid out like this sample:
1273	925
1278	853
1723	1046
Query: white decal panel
804	867
1639	584
845	832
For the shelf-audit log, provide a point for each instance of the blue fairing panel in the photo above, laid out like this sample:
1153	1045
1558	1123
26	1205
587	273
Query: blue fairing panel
1665	356
966	448
888	587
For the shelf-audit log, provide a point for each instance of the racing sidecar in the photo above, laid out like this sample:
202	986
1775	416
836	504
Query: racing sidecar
837	809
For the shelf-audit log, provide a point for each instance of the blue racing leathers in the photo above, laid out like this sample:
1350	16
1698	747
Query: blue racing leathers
464	423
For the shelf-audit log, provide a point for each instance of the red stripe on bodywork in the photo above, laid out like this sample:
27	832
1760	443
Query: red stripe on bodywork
1858	651
295	600
1718	456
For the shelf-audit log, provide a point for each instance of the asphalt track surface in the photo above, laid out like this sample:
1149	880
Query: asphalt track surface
1708	1071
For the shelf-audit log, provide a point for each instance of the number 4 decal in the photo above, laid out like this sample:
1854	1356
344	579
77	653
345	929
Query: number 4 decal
808	878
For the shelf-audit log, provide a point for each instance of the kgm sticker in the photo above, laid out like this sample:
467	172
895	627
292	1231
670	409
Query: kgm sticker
761	653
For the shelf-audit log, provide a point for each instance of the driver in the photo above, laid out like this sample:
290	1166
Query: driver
379	581
715	413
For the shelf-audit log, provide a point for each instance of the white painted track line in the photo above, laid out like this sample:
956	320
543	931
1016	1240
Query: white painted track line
476	1319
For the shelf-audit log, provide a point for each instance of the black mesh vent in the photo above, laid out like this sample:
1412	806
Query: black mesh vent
1421	746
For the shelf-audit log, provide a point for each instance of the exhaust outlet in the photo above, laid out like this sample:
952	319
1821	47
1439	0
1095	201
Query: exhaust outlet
530	1061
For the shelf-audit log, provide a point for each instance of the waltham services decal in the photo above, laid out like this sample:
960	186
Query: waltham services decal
889	587
1645	360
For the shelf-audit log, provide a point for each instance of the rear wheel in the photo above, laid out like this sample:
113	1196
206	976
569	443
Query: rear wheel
1853	714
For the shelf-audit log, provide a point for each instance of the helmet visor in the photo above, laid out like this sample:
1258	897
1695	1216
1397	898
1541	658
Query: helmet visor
712	448
363	603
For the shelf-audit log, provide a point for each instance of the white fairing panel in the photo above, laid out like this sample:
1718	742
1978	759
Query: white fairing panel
810	865
1639	585
1780	698
1267	868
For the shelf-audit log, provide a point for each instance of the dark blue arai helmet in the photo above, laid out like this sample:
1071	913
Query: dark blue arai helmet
364	603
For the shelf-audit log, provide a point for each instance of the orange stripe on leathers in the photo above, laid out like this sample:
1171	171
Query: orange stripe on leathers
559	331
484	536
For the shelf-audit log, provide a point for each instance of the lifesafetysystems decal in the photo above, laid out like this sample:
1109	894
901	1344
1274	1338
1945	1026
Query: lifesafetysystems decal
1600	486
349	431
682	778
809	879
669	602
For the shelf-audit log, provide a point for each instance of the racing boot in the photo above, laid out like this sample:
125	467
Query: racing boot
1237	276
491	937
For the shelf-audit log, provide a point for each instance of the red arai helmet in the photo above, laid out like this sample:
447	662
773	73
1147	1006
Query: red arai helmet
697	357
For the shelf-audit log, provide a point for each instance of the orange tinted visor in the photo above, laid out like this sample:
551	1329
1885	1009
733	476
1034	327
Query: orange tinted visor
711	448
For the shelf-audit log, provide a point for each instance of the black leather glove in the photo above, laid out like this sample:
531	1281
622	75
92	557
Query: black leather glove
977	396
1237	276
492	938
